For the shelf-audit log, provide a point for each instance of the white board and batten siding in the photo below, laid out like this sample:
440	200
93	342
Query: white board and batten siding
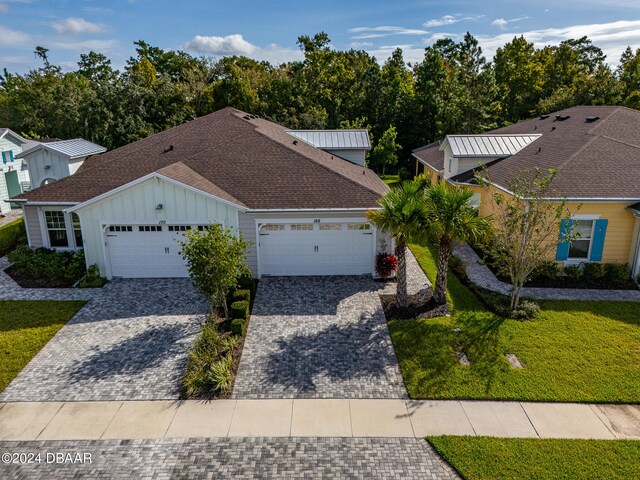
44	164
6	144
137	206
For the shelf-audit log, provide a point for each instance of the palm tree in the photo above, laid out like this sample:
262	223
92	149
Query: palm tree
401	214
451	218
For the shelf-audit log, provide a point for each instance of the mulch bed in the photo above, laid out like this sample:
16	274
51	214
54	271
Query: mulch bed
28	282
421	305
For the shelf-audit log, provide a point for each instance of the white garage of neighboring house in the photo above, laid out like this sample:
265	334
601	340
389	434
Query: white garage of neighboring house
301	207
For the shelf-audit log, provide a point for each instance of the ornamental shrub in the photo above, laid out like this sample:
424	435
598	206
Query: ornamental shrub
239	309
386	265
242	294
238	326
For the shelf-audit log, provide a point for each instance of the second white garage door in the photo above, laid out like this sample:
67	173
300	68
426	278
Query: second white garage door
308	248
146	251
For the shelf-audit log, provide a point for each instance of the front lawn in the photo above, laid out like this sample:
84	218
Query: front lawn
390	180
573	351
25	327
485	458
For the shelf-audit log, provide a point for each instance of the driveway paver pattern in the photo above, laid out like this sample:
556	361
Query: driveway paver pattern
129	342
321	337
237	458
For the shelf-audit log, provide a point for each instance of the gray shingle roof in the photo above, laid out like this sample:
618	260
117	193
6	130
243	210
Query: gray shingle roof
248	159
75	148
334	139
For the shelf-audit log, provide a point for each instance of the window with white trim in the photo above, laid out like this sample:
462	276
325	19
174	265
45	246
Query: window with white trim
580	246
272	226
301	226
330	226
56	228
77	231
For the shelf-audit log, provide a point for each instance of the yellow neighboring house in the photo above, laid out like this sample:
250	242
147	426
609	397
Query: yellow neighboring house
596	152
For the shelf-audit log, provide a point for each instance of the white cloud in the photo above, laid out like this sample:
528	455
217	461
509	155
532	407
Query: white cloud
500	22
214	45
75	26
611	37
384	31
503	22
450	20
13	38
360	44
236	45
410	53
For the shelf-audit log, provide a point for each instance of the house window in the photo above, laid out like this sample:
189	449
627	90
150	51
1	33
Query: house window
580	246
301	226
358	226
179	228
150	228
77	232
330	226
57	229
121	228
272	227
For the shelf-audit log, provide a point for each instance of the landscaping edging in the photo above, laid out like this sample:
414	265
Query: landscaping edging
482	277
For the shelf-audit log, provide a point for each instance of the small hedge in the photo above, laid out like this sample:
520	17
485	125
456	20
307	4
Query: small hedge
239	309
246	282
47	268
92	279
238	326
242	295
12	235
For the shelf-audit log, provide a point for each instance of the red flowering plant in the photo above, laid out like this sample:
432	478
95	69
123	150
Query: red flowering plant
386	264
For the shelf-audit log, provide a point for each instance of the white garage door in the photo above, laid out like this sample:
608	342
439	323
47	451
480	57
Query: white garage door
146	251
308	248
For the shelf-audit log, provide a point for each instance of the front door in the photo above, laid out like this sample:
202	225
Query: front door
13	185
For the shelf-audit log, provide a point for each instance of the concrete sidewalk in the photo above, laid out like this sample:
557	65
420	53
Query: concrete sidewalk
313	418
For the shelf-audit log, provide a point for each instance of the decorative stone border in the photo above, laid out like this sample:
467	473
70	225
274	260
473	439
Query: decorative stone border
481	276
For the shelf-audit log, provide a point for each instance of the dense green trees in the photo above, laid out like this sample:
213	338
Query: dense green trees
452	89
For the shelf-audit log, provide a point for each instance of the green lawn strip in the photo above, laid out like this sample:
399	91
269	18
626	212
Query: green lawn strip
573	351
390	179
486	458
25	327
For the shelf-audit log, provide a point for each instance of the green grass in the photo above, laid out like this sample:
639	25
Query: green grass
25	327
485	458
390	180
572	352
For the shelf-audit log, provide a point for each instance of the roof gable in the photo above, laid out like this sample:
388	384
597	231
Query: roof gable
488	145
252	160
8	132
75	148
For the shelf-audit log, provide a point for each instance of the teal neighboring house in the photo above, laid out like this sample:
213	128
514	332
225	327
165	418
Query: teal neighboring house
14	176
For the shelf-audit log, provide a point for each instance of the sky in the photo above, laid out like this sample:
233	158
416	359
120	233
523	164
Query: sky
268	29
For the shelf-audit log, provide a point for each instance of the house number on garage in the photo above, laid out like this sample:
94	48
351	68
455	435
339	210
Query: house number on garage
316	220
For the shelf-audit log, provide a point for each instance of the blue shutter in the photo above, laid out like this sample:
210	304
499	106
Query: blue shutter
562	253
597	242
4	157
11	155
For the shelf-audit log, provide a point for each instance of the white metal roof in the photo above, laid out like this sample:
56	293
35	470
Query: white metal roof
4	131
487	145
334	139
78	147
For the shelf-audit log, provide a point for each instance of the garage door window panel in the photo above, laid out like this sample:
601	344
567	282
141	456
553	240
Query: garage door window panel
57	229
301	226
330	226
150	228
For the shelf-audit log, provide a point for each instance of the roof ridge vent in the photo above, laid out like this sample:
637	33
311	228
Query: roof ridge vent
544	117
562	118
591	119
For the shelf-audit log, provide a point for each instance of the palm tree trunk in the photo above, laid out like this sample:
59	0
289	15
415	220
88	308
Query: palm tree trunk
444	252
402	297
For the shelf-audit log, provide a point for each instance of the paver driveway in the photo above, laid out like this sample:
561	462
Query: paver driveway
129	342
319	337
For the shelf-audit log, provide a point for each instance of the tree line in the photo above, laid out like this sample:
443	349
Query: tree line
453	89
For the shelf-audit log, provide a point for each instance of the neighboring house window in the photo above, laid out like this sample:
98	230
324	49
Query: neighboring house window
47	181
588	246
57	229
77	232
580	246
